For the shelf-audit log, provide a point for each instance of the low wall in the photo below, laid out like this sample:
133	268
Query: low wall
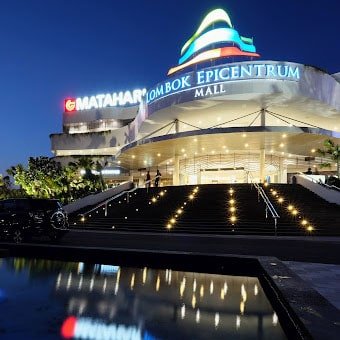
329	195
97	198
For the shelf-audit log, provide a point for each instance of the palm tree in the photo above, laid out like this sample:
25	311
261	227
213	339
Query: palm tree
331	151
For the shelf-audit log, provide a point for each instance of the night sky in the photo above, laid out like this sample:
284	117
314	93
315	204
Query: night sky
52	49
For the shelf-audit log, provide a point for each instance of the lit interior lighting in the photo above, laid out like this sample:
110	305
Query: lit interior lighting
145	272
179	211
231	191
119	162
281	145
202	291
132	283
294	212
242	307
158	155
304	222
310	228
198	316
194	286
158	283
162	193
183	150
232	209
275	319
256	290
280	200
183	311
222	294
172	220
225	288
195	140
246	145
83	219
154	199
313	150
203	149
133	156
191	197
211	287
217	319
232	201
193	301
244	135
284	135
238	322
233	219
290	207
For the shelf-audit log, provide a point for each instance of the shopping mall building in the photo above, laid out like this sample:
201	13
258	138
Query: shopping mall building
222	115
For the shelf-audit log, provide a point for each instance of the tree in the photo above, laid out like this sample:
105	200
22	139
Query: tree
331	151
41	179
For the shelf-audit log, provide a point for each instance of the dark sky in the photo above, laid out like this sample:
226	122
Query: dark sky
51	49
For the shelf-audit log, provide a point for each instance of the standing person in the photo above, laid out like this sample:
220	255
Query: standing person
157	178
148	180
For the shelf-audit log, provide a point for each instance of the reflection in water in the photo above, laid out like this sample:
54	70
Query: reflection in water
83	301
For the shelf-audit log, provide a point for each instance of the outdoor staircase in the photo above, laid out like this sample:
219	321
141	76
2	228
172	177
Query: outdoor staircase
207	209
323	217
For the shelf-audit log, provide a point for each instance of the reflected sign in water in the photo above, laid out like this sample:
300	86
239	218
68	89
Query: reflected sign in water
63	300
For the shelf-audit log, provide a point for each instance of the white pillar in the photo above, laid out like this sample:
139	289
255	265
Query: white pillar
176	126
282	172
175	174
199	176
262	165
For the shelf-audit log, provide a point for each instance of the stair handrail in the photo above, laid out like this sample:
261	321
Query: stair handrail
125	192
331	187
266	200
106	202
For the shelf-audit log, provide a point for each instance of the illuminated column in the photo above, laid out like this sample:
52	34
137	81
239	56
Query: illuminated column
176	125
262	165
263	117
175	174
282	172
199	176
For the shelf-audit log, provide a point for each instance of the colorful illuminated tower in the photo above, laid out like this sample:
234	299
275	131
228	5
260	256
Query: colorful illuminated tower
216	29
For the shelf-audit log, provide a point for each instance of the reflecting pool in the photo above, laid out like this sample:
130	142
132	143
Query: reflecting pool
43	299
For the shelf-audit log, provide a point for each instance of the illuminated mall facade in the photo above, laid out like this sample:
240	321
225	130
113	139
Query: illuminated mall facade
223	115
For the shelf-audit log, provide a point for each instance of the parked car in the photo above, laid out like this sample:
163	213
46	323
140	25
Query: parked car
22	218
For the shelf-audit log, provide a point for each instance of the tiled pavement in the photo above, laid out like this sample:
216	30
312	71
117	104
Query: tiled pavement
325	278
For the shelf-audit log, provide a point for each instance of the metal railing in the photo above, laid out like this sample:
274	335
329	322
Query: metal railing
126	192
269	206
325	185
105	203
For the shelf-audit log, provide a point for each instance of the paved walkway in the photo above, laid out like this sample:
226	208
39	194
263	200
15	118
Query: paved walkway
325	278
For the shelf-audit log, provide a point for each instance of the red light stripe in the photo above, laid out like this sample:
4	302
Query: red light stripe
68	327
230	51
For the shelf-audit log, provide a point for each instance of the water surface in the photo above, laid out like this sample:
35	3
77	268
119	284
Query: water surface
43	299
